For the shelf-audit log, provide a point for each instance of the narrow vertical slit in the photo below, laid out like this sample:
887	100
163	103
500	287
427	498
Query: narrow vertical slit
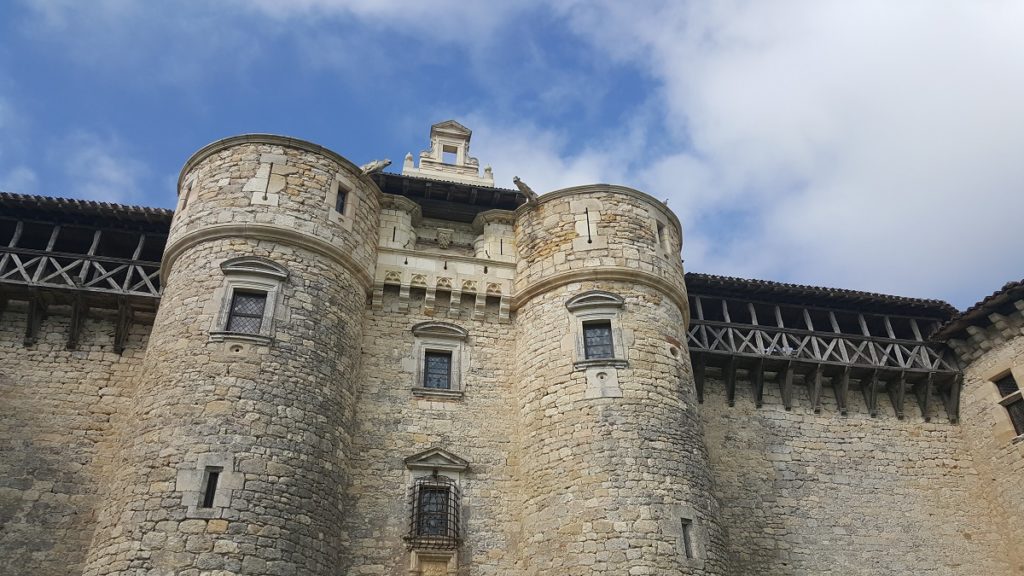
210	491
687	537
394	233
501	246
590	239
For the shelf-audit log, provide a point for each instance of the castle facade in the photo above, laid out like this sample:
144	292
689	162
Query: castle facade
315	368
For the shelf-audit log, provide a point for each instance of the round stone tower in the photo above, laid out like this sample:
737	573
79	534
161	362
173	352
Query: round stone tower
235	457
614	471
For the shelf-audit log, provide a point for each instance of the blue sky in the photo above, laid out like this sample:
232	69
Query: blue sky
868	145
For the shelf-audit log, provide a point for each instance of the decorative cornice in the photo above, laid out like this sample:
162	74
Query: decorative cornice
402	203
254	231
492	216
225	143
675	291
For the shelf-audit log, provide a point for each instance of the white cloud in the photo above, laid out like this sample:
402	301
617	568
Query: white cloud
98	169
874	144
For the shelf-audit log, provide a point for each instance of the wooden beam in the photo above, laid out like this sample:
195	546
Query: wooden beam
897	392
815	388
923	391
124	324
36	314
786	386
729	372
842	389
78	311
697	361
870	390
953	398
757	382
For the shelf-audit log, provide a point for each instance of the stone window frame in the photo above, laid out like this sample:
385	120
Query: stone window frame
248	274
428	463
597	305
1005	428
435	336
660	227
191	483
346	218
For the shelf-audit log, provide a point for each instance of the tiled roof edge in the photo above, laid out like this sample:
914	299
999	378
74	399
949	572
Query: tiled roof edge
772	287
978	313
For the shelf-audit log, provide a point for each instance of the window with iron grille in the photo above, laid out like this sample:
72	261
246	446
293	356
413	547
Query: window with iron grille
246	313
434	513
597	340
1012	400
437	370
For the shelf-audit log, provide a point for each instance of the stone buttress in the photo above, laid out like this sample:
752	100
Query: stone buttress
613	468
235	458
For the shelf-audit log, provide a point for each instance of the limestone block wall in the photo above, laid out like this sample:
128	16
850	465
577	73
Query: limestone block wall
272	412
612	458
60	413
822	494
988	432
394	423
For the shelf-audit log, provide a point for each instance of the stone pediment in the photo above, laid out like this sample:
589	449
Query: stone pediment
254	265
451	127
436	459
594	299
440	330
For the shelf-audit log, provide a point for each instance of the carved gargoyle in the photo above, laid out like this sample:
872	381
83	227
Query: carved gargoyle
531	196
375	166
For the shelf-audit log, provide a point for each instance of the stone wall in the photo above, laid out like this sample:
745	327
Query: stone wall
272	412
998	452
612	462
807	494
395	423
60	412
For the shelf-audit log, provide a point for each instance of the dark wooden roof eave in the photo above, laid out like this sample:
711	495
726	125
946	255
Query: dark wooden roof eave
88	212
978	314
798	294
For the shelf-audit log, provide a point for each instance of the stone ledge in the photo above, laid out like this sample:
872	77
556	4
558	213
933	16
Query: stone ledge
438	393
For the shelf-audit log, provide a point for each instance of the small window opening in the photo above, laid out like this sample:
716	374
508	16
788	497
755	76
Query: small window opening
687	537
597	339
339	203
246	313
662	240
210	486
437	370
1012	401
449	154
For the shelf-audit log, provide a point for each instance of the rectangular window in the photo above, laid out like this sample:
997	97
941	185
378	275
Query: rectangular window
597	339
339	204
1015	410
246	313
432	511
1007	385
687	537
1012	401
437	369
210	486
